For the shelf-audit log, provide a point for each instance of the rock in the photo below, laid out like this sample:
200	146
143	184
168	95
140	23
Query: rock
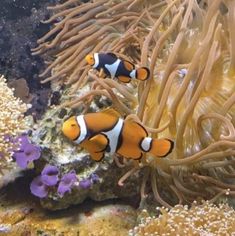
65	155
20	214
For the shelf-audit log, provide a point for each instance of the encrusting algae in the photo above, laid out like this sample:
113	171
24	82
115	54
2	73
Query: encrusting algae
189	48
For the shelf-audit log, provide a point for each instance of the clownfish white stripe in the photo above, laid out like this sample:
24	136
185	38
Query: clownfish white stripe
83	129
146	144
133	74
113	68
113	135
96	57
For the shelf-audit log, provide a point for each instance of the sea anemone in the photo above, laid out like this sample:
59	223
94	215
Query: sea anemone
189	47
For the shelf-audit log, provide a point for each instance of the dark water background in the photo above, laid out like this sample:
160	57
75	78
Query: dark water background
20	27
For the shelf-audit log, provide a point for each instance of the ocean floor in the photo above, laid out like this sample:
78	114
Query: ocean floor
21	214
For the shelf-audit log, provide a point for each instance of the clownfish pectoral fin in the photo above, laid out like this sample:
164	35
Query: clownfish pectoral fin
161	147
124	79
142	73
112	112
112	55
99	143
97	156
128	65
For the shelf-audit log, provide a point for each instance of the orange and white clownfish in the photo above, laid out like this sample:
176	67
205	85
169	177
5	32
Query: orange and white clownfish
104	132
113	66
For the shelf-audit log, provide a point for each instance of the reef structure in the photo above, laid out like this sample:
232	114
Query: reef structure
12	124
189	48
205	219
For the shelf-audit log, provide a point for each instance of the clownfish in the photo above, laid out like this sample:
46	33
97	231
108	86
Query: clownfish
106	132
115	67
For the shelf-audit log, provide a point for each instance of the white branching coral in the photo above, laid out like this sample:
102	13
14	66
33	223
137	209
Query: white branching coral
12	122
206	219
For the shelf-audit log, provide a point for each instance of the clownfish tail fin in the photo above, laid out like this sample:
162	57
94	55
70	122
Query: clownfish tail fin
142	73
161	147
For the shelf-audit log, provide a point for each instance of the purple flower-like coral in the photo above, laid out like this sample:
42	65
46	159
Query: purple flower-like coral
50	175
26	153
66	183
38	188
85	183
49	178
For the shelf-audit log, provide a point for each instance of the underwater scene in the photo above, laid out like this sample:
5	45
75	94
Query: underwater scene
117	117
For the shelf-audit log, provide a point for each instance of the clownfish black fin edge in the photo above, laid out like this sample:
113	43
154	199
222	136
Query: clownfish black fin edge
171	147
161	147
142	73
146	133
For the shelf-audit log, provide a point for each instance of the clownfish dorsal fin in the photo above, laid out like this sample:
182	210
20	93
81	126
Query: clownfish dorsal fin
112	55
111	111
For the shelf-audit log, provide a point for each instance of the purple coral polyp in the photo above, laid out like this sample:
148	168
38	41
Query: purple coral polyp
94	178
50	175
66	183
85	184
24	141
27	152
38	188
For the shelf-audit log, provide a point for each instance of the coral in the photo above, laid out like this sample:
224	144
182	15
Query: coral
86	183
26	153
50	175
66	183
205	219
12	124
40	186
189	48
20	215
